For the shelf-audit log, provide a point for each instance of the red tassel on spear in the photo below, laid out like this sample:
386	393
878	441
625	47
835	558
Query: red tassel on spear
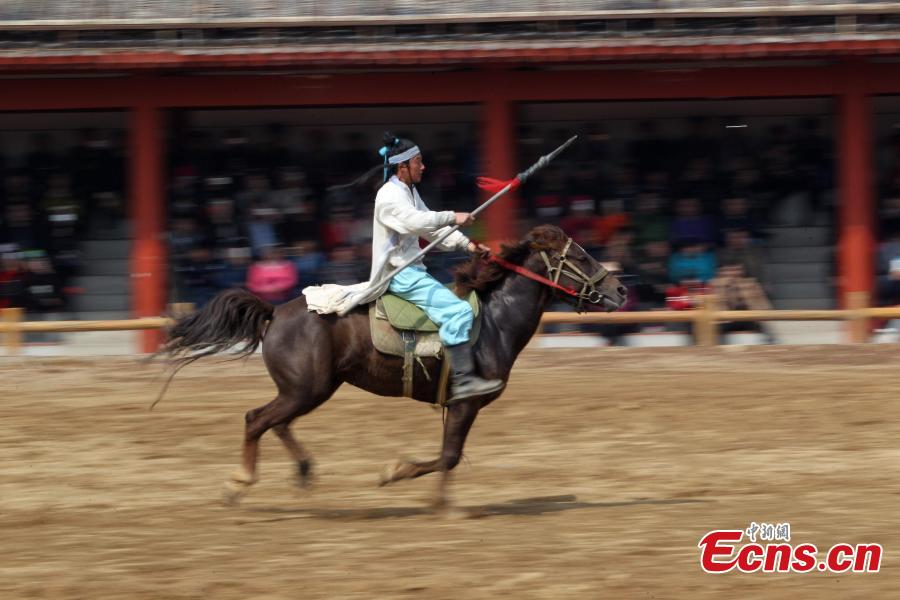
496	186
492	186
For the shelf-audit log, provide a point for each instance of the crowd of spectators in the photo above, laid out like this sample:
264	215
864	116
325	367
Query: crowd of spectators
276	216
686	216
51	199
680	215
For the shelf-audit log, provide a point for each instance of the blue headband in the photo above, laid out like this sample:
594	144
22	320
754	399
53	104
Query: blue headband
404	156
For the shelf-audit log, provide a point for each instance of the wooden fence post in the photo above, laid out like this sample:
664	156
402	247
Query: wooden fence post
13	338
858	326
705	326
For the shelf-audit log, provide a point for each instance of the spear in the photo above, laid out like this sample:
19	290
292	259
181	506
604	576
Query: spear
484	183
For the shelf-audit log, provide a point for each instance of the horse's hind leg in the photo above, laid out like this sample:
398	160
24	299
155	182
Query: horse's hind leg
297	452
257	422
276	414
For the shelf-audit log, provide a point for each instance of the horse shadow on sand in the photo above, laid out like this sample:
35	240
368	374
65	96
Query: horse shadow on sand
537	506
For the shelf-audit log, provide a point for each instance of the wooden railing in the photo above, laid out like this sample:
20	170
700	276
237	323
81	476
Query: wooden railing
704	320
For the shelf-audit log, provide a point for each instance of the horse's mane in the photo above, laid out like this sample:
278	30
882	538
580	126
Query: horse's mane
483	276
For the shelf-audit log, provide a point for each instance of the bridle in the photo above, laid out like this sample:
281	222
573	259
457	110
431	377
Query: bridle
564	266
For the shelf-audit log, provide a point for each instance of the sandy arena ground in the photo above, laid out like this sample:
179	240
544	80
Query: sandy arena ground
594	477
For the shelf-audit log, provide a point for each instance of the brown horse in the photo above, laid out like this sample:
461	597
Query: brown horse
310	355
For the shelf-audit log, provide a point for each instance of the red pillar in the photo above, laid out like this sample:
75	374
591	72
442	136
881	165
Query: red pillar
498	151
856	238
148	255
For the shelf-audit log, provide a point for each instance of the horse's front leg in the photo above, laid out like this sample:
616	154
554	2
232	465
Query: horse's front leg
459	421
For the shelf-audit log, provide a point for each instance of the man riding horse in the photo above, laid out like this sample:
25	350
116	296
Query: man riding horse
309	356
401	218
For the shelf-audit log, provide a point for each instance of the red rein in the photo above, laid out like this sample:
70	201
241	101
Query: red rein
530	274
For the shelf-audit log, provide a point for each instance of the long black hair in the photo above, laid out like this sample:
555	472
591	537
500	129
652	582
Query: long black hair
391	146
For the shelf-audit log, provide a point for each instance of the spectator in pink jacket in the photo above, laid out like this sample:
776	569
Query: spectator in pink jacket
272	278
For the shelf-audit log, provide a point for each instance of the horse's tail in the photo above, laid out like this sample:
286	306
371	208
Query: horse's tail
231	318
234	318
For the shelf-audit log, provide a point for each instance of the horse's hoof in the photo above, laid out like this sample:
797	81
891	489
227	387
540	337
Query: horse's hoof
305	476
232	492
389	472
235	488
242	477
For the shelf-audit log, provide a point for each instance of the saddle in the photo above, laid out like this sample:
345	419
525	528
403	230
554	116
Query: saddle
400	328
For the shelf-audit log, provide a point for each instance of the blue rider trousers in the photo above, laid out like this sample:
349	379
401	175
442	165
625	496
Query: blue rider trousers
453	315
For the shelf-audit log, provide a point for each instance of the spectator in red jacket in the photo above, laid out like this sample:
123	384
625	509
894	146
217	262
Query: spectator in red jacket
273	278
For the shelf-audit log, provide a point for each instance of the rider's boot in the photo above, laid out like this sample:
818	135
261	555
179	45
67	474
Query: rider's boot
464	383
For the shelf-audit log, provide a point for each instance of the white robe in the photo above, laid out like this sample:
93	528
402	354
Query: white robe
401	218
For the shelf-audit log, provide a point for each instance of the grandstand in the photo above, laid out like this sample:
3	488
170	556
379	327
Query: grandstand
155	124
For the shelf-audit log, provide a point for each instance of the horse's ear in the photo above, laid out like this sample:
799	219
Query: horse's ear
536	237
543	238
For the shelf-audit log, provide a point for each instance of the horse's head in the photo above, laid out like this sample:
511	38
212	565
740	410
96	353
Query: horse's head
570	266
